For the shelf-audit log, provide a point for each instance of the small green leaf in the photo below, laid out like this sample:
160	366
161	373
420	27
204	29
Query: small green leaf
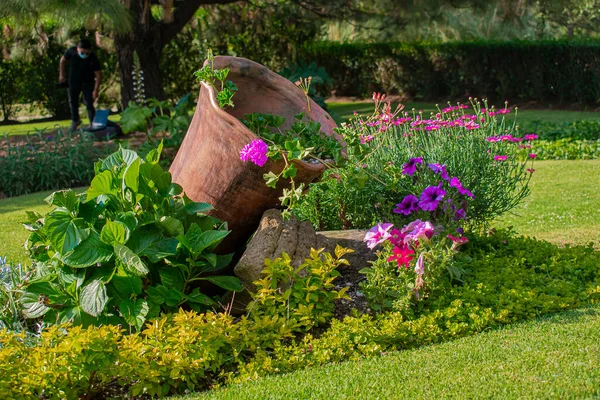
64	198
126	284
197	297
171	225
157	294
130	260
134	117
93	298
114	232
131	179
226	282
199	241
101	184
134	312
195	208
33	305
271	179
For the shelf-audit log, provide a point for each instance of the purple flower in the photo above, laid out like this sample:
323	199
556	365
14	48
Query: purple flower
378	234
439	169
256	151
411	166
431	197
409	204
455	182
460	214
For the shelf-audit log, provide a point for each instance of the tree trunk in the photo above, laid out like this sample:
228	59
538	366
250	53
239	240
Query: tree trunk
149	52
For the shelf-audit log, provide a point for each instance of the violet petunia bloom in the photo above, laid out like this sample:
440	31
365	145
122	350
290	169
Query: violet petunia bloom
439	169
256	152
378	234
409	204
411	166
460	214
431	197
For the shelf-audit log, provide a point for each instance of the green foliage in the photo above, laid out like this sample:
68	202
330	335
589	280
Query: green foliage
124	250
12	278
13	78
576	130
211	76
304	295
46	162
567	149
174	353
544	71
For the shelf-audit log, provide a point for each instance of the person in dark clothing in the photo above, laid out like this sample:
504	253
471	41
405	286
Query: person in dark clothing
85	76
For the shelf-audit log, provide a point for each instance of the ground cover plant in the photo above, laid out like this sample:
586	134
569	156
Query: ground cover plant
510	362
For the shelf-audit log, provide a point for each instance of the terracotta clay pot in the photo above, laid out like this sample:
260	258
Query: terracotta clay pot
208	164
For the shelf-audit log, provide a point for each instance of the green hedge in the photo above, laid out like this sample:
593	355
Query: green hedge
545	71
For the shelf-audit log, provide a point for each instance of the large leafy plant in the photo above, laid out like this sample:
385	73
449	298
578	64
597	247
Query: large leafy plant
127	248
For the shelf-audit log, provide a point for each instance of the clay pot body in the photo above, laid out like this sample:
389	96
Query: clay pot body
208	164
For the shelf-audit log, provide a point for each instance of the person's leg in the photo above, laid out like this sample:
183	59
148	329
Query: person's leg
74	105
88	100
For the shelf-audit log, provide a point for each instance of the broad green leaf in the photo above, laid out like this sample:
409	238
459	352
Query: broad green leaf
161	249
134	118
129	219
89	252
195	208
64	198
157	294
222	262
171	278
131	179
101	184
174	297
171	225
126	284
130	260
199	241
226	282
175	189
134	312
197	297
33	305
114	232
64	231
93	298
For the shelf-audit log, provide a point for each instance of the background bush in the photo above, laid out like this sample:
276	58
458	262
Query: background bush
544	71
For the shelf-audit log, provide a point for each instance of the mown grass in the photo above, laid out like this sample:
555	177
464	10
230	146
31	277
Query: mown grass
564	205
553	357
25	128
12	214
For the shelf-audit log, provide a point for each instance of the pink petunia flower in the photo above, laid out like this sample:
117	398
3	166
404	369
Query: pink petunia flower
378	234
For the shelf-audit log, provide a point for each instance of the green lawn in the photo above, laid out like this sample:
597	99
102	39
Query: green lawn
554	357
340	112
564	205
12	214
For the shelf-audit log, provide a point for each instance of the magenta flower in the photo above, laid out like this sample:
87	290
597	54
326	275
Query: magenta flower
530	136
455	183
402	255
532	155
396	237
439	169
378	234
409	204
411	166
431	197
366	139
500	158
256	151
493	139
457	241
